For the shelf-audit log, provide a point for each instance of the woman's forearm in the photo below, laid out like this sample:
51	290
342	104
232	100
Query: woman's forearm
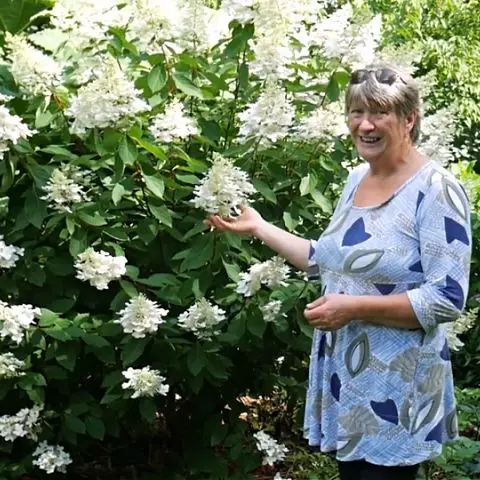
292	248
390	310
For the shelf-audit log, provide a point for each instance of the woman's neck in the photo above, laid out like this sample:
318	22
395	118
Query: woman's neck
406	163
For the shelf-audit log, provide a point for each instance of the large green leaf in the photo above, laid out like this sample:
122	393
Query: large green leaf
16	14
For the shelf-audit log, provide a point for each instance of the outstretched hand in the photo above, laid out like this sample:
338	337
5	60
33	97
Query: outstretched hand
331	312
246	223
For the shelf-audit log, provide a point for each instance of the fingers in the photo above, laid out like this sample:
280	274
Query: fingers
316	303
222	224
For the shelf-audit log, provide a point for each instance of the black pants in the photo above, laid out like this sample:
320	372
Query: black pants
361	470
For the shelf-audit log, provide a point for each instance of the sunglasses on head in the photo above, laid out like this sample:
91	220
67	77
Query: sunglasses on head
383	75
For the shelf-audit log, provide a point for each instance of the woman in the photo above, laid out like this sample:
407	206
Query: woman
394	263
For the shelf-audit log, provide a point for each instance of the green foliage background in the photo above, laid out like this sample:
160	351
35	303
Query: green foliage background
76	353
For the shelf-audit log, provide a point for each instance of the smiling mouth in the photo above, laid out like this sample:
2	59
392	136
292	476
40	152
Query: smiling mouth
370	140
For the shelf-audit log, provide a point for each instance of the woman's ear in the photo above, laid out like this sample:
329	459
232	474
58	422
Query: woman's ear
410	121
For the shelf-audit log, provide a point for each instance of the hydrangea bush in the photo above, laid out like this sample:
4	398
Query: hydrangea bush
123	123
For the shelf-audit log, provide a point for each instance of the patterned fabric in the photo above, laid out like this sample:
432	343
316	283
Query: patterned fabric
381	394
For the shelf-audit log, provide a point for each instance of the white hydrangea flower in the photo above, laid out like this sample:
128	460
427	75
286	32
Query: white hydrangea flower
272	450
223	189
16	319
272	55
437	135
271	273
365	39
271	311
35	72
108	101
268	119
65	187
145	382
141	316
339	36
278	476
11	366
240	10
323	123
25	423
200	27
99	268
12	129
152	23
51	458
460	326
201	319
87	22
329	33
173	124
9	254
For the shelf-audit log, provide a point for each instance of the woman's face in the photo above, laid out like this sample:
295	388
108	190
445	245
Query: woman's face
378	134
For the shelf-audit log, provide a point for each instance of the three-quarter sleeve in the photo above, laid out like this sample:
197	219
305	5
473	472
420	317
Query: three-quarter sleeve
445	242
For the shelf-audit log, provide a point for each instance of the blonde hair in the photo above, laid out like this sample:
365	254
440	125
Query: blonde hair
402	96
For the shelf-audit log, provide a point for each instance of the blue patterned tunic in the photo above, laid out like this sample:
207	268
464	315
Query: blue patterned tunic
382	394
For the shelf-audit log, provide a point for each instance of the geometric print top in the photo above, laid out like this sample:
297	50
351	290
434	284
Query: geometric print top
377	393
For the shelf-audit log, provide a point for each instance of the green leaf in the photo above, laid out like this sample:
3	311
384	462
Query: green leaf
47	318
196	360
155	185
113	379
233	270
305	186
157	78
16	14
94	221
58	334
117	234
190	179
78	242
36	395
333	90
184	84
256	325
236	329
129	288
32	379
35	209
265	190
66	356
239	41
95	340
127	151
74	423
200	254
110	398
160	280
95	427
156	151
162	214
117	193
148	409
110	329
60	151
52	372
43	118
322	201
133	349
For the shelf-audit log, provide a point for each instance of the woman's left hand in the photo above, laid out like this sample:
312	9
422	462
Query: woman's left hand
331	312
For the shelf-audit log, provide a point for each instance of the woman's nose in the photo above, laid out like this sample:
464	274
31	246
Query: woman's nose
366	124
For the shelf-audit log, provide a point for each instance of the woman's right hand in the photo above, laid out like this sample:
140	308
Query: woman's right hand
247	222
